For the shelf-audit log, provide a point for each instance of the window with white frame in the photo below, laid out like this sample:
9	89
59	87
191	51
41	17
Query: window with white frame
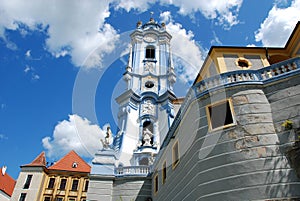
150	52
22	197
28	181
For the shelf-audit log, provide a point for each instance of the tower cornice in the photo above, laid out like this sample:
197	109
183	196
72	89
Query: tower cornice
127	95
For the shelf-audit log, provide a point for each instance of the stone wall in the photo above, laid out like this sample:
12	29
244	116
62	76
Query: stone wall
285	104
106	188
284	98
241	162
132	189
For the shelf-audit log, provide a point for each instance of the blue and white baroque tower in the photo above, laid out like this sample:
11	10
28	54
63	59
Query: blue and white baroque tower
145	108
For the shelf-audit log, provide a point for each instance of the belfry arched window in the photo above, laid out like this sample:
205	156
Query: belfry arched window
150	52
148	125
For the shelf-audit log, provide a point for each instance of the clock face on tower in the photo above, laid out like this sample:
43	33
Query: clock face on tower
149	38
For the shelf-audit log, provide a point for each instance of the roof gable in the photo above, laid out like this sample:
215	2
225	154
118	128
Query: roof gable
71	162
7	183
40	160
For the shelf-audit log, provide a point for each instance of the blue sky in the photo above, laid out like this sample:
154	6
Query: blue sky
62	62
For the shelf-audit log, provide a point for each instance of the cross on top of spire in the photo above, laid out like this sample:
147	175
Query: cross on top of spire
151	17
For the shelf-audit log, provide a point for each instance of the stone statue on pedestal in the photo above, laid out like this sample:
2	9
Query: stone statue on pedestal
107	140
147	137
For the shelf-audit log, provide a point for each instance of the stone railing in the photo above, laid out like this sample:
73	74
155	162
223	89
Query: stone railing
132	170
227	78
280	68
248	75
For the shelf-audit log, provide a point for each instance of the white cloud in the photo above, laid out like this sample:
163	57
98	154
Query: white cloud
165	16
27	69
3	137
28	54
281	2
35	77
141	5
73	28
187	56
224	12
277	27
75	133
78	28
9	44
216	40
32	72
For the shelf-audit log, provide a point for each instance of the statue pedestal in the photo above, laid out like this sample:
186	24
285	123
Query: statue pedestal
104	162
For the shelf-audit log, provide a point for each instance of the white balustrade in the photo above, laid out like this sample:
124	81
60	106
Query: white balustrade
132	170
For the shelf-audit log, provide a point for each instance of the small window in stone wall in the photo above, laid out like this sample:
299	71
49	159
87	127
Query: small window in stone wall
220	115
243	63
175	155
164	172
156	183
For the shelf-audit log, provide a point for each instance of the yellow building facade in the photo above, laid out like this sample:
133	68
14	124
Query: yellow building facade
65	180
222	59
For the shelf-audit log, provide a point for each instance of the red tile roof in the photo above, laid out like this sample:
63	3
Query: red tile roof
40	160
7	183
71	162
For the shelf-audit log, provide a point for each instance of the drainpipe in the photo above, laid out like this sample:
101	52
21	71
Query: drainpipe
267	54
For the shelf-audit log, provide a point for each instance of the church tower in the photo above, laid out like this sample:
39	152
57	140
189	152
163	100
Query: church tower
145	108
